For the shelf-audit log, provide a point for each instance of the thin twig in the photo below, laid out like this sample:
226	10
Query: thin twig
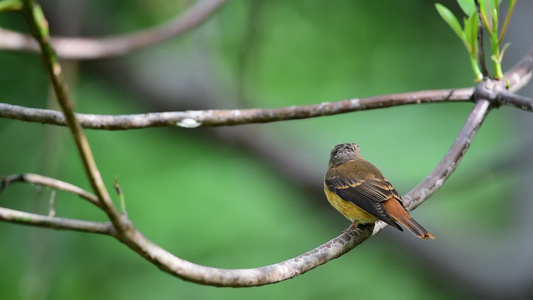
39	26
50	182
198	118
506	22
52	208
25	218
85	48
481	48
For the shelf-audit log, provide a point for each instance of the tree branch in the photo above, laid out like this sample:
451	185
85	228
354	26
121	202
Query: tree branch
451	160
50	182
517	101
249	277
25	218
196	118
517	77
84	48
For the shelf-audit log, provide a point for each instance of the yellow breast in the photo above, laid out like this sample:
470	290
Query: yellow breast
351	211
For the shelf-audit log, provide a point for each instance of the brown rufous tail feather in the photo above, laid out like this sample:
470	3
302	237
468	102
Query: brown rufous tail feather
415	228
396	210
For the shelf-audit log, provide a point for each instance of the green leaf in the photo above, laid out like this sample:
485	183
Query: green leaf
503	51
468	6
452	21
10	5
495	4
489	6
494	8
471	32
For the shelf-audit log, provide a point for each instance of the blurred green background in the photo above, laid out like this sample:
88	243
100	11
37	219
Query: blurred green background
249	196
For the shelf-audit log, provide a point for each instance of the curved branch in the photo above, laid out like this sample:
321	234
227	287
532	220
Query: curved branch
451	160
174	265
196	118
330	250
247	277
85	48
50	182
288	269
25	218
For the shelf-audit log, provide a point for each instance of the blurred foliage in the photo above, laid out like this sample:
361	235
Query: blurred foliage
219	205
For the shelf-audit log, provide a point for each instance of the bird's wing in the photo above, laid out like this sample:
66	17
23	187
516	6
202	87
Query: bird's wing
368	194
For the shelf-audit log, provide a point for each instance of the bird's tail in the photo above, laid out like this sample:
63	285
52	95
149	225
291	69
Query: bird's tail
398	212
414	227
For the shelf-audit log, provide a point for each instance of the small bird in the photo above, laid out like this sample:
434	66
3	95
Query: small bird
358	190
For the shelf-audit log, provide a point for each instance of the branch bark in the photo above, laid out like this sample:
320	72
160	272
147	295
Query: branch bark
25	218
85	48
197	118
520	102
50	182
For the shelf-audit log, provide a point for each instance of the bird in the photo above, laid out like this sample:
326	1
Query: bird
359	191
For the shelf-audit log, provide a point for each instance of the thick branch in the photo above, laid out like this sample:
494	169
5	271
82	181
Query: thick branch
197	118
26	218
517	101
85	48
248	277
50	182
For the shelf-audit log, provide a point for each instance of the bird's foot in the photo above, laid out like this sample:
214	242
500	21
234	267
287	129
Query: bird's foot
352	227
